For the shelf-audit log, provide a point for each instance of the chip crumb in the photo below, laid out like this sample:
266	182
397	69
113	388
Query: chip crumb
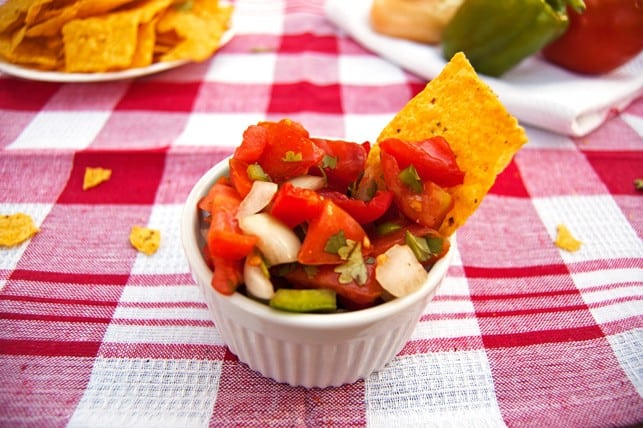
565	240
16	228
638	183
95	176
145	240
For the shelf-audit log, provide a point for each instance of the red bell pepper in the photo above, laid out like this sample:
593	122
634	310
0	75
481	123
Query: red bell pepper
295	205
364	212
433	159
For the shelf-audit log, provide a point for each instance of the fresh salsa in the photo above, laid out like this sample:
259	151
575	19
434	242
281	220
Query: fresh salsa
297	213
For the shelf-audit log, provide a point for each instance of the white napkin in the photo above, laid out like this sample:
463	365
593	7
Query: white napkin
536	92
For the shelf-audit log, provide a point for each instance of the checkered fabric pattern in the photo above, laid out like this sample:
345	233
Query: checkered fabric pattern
94	334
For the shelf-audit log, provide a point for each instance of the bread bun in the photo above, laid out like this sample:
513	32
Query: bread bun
418	20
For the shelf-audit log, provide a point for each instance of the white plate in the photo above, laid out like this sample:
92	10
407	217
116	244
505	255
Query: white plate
57	76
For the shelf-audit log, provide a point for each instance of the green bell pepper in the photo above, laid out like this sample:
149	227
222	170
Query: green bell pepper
304	300
496	35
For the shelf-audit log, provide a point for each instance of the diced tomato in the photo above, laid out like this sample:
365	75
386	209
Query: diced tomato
330	221
433	159
295	205
367	147
427	208
363	211
351	295
239	176
345	164
254	141
224	195
227	275
228	243
381	243
207	257
204	203
289	152
225	239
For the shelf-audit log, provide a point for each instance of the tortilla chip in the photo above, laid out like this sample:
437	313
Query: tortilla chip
145	240
109	35
198	29
34	14
17	37
102	43
41	53
48	17
52	26
565	240
12	14
144	53
99	7
16	228
95	176
483	135
149	9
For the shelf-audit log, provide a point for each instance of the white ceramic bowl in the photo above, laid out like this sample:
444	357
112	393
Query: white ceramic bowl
311	350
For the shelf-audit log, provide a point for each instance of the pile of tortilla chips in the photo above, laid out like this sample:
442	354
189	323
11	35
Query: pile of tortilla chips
86	36
483	136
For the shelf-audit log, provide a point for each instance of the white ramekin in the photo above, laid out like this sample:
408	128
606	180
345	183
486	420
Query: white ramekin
311	350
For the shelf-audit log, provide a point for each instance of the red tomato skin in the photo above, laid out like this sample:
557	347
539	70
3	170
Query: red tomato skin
283	137
433	159
428	208
227	275
222	195
364	212
607	35
294	205
252	145
350	162
330	221
225	240
239	176
228	242
351	295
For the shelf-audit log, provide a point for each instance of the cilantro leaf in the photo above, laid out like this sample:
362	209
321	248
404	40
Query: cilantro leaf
291	156
423	247
335	243
354	269
329	162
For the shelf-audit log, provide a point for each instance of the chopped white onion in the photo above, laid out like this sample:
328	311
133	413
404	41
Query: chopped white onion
312	182
277	242
257	283
260	195
399	272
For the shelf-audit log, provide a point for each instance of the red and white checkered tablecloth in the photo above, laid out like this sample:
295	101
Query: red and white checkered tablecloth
94	334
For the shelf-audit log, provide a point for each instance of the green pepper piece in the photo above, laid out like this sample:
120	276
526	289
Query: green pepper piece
496	35
256	173
411	179
386	228
309	300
